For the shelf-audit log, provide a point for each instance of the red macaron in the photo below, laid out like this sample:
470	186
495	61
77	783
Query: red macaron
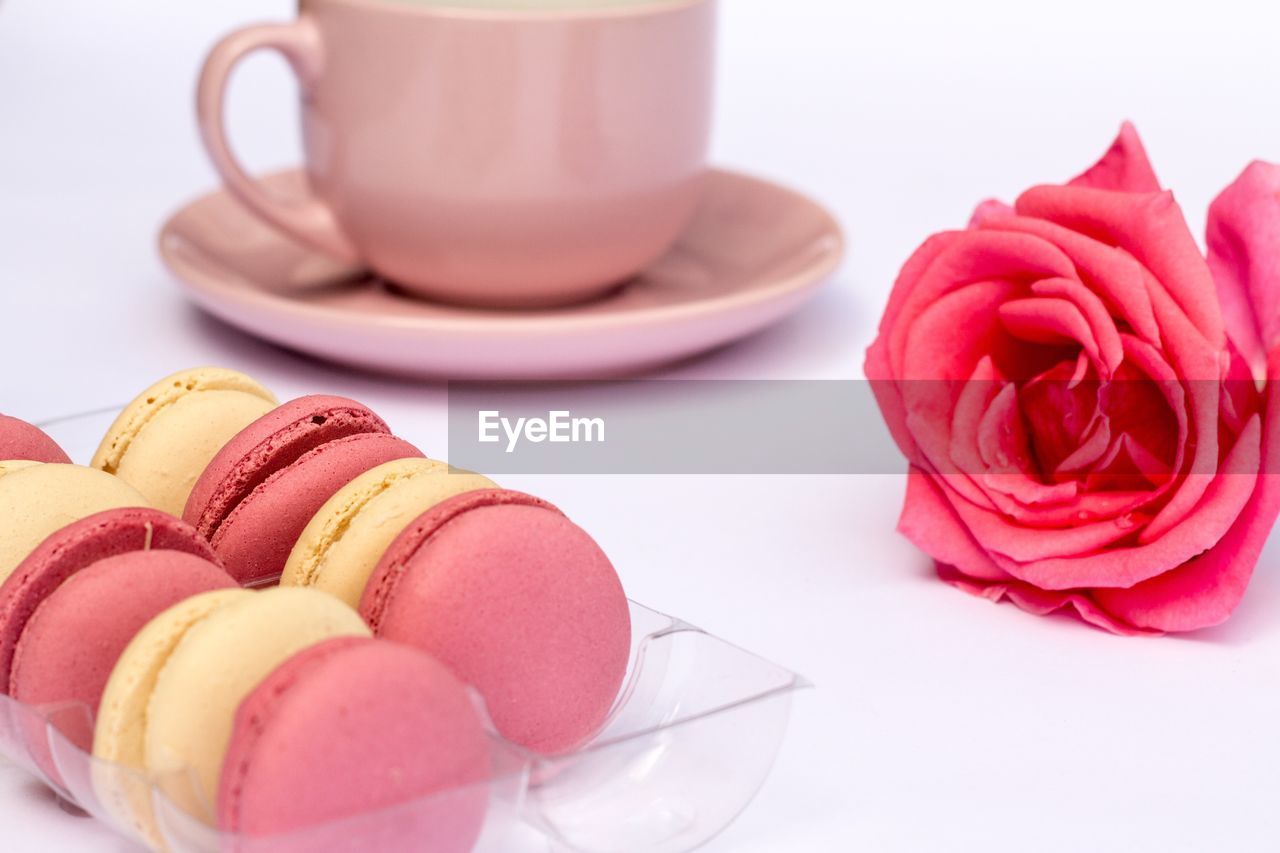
72	641
77	546
517	601
371	745
263	487
21	440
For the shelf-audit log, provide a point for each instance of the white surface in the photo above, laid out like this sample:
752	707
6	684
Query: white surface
940	722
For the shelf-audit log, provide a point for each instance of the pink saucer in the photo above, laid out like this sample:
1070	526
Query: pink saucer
754	254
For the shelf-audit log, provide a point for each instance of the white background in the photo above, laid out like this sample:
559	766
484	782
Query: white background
940	722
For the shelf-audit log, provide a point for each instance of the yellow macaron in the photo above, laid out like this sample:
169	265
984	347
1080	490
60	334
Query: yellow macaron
339	549
162	441
217	661
120	730
8	466
37	500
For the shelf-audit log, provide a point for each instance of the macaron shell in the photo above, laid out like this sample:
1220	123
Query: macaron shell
76	546
517	601
120	730
37	501
256	539
162	441
218	662
396	728
73	640
166	458
21	440
269	444
8	466
339	549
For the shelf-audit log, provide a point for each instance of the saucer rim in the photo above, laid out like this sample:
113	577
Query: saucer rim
463	319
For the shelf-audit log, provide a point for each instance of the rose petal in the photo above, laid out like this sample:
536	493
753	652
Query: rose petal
1013	545
972	400
1091	450
1199	531
934	354
1040	602
1198	367
1240	395
1125	166
1146	360
1244	255
1000	436
1115	276
929	523
1002	447
1102	326
1049	321
972	257
878	366
1150	227
1207	590
990	210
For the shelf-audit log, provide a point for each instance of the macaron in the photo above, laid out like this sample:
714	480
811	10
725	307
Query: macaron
38	500
339	549
518	602
351	727
263	488
119	734
72	641
217	662
8	466
21	440
77	546
163	440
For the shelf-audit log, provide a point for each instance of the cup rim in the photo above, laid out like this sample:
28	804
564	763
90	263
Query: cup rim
443	9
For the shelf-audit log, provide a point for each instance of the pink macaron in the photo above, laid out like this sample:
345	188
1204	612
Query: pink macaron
356	744
519	602
77	546
21	440
73	640
263	487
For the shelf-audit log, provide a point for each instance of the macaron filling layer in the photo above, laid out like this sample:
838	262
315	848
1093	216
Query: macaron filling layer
255	539
343	517
270	445
341	546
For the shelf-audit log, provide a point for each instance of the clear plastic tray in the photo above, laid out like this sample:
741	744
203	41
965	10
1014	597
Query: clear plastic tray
688	744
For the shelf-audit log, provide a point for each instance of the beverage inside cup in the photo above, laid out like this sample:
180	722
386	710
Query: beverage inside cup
507	159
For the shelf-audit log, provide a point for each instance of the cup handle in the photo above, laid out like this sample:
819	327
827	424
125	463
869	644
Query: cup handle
310	219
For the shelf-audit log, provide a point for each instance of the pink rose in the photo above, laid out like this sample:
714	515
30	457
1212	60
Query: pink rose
1085	400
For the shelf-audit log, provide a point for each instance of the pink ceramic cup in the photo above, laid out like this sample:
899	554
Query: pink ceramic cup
487	156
